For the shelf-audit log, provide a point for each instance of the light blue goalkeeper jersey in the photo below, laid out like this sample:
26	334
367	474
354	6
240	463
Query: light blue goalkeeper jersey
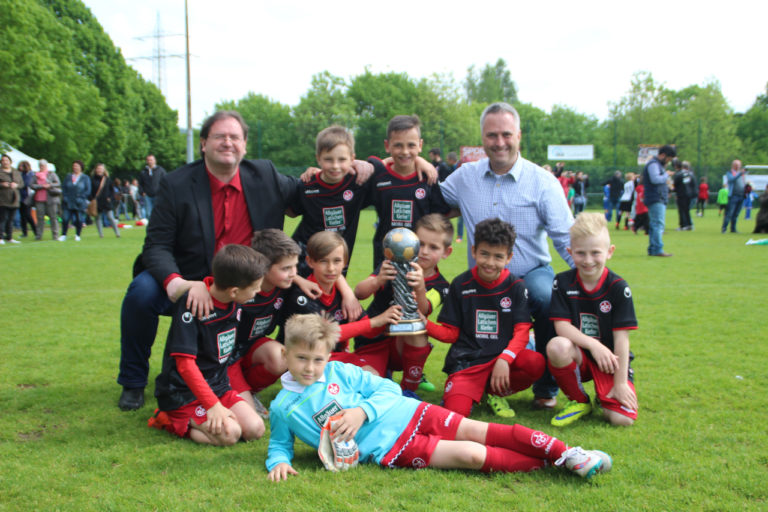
299	411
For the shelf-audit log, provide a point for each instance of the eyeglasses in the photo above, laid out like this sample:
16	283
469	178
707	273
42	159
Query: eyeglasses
221	137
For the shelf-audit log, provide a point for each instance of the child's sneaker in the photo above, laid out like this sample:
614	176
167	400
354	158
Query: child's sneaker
425	385
500	406
584	463
572	412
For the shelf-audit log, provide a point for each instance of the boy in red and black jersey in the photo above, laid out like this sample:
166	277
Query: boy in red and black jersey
487	320
327	256
193	393
593	312
407	353
397	194
332	200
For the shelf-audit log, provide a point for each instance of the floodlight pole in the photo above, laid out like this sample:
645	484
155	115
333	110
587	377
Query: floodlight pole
190	148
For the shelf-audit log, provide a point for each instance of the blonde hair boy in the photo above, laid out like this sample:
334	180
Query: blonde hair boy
311	331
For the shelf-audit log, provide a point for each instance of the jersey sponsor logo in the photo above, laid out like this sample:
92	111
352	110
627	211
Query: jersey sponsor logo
200	411
278	303
418	463
589	325
338	315
326	412
402	212
421	193
605	307
467	292
260	326
333	217
383	184
311	191
572	292
301	300
539	439
506	302
486	321
212	316
226	342
627	292
348	195
187	317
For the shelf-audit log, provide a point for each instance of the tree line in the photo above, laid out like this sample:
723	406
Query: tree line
68	94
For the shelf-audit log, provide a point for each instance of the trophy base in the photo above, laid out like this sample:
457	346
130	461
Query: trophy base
408	328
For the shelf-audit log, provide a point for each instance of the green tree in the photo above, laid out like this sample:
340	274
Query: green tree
753	131
491	84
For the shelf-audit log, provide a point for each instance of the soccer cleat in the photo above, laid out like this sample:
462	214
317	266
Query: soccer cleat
500	406
572	412
607	461
425	385
585	463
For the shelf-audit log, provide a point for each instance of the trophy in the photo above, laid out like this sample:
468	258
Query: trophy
401	247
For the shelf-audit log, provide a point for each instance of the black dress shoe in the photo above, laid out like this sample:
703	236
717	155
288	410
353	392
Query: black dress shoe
131	399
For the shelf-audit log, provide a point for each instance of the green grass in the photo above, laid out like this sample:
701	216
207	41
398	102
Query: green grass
699	443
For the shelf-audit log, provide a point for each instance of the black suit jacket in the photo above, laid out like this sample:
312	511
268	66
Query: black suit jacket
180	236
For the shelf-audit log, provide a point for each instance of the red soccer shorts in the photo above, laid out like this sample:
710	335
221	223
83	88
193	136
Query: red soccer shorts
236	378
381	356
179	418
415	446
603	385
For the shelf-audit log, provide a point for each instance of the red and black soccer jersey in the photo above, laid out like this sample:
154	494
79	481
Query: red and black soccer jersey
210	341
260	316
400	201
296	303
597	312
325	207
384	298
486	315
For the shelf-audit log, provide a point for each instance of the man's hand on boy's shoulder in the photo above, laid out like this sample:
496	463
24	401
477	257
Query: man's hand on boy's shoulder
281	472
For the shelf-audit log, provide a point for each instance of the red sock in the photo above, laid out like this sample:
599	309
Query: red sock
413	359
524	440
527	368
503	459
568	379
461	404
259	378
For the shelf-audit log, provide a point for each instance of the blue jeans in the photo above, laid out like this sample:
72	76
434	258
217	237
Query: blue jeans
656	215
732	212
144	302
149	203
539	284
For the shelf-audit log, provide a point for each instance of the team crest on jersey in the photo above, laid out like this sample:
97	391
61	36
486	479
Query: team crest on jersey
506	303
200	411
328	410
226	342
301	300
418	463
333	388
605	307
421	193
187	317
338	315
627	292
348	195
279	303
539	439
486	321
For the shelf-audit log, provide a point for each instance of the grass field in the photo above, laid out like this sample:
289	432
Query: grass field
700	442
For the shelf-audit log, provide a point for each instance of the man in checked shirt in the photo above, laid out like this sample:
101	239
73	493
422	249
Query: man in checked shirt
519	192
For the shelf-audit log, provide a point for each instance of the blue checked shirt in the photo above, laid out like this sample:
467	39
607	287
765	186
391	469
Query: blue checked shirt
527	196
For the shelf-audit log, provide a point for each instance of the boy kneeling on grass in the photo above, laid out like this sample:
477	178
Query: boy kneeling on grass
593	313
193	393
389	428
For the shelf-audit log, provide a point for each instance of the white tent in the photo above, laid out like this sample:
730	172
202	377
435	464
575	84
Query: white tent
17	156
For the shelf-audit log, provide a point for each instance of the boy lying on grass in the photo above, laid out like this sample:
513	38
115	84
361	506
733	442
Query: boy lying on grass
390	429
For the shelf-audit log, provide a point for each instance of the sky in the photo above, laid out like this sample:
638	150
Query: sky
579	54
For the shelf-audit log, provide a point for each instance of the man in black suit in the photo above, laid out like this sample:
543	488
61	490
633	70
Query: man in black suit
200	207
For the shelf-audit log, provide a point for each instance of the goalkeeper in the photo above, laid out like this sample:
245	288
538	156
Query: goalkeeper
390	429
